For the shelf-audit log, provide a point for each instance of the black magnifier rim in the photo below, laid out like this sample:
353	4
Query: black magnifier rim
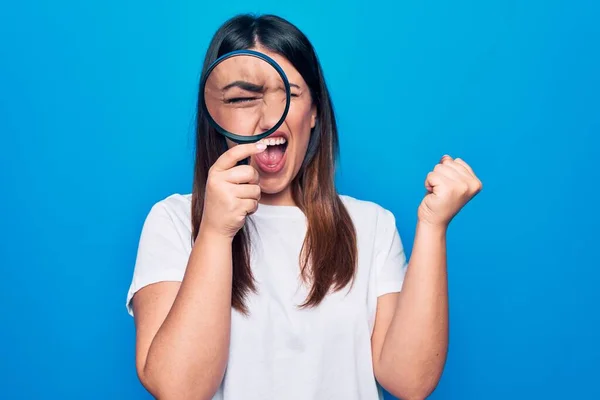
241	139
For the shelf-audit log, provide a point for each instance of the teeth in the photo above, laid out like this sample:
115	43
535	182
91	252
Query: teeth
273	141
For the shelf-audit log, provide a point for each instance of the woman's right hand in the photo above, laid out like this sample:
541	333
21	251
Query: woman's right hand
232	191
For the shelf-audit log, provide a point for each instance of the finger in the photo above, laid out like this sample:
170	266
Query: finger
231	157
475	183
447	161
433	179
445	158
465	166
251	192
459	168
448	172
242	174
249	206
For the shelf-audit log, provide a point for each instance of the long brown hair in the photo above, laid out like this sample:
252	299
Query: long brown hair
329	254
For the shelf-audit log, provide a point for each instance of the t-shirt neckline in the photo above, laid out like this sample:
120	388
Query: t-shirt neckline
269	210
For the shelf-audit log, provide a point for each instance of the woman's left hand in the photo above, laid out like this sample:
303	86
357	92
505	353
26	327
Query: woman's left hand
450	186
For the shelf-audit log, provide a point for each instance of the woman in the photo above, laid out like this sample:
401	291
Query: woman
305	302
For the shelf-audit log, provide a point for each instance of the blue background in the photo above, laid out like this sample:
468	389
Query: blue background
96	114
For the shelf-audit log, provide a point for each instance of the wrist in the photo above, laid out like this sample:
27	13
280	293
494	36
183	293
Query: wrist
427	227
206	234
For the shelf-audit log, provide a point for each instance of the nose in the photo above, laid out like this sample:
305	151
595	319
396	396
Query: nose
271	111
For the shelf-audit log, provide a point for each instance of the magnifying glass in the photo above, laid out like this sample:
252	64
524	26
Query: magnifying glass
245	96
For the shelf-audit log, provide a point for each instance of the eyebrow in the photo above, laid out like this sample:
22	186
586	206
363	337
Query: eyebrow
251	87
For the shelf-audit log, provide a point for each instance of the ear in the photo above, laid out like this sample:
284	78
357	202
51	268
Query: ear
313	116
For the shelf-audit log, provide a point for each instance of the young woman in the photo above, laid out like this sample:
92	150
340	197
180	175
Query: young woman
265	283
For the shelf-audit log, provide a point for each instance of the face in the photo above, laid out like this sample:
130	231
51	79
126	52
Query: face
286	148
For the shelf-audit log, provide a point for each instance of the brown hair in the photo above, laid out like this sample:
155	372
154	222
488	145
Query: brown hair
329	254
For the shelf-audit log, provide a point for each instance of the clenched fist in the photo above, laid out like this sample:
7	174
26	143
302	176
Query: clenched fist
450	186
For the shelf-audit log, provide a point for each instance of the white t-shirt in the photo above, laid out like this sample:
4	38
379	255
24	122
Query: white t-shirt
281	351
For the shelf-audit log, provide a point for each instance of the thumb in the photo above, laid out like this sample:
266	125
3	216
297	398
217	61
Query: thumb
445	158
231	157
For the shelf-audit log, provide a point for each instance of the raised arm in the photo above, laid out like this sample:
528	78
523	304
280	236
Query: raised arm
410	337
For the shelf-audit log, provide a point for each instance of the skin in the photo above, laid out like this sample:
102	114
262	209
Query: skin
179	355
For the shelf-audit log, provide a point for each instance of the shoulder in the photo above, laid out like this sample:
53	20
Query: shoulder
164	244
175	204
365	209
367	214
171	212
379	242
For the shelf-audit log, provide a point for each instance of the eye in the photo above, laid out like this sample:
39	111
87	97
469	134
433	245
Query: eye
295	94
237	100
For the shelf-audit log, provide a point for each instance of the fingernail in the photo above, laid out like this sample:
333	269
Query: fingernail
261	146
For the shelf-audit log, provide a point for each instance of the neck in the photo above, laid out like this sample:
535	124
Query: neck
283	198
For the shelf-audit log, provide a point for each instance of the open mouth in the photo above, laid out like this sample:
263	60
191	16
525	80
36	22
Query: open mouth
272	157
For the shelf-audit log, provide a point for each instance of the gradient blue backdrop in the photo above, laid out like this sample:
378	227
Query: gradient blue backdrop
96	114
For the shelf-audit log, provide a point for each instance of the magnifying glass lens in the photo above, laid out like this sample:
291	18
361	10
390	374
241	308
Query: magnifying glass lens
245	96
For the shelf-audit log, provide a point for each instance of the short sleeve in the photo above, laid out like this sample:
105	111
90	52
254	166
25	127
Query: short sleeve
162	254
391	259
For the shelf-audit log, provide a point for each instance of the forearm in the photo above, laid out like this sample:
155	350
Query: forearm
188	355
415	346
